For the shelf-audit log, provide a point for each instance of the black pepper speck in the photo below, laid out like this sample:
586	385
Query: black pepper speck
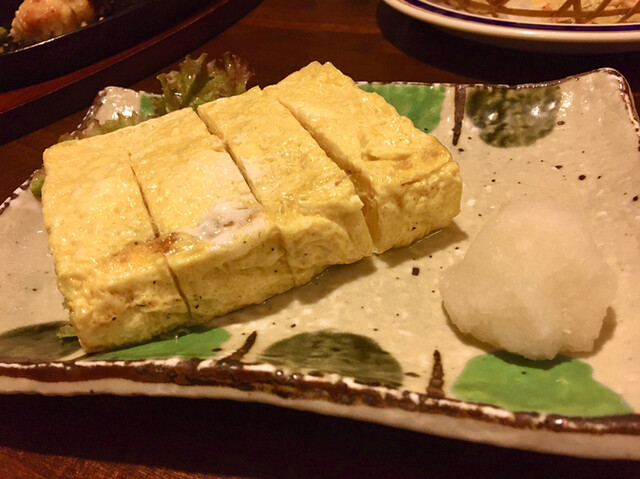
415	271
582	177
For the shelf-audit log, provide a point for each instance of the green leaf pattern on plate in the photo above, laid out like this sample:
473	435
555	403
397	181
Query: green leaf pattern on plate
421	103
327	351
508	118
562	386
147	109
198	343
37	342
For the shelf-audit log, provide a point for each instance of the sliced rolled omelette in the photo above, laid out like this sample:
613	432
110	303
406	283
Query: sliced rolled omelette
225	251
311	200
406	179
110	265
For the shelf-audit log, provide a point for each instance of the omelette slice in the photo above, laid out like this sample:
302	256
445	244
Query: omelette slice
225	252
109	263
311	201
406	179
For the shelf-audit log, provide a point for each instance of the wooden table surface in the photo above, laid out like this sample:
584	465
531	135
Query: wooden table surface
138	437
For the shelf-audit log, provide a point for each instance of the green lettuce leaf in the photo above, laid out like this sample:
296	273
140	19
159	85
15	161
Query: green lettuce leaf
199	81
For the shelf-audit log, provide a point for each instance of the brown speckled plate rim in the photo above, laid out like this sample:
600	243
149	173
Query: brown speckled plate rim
232	372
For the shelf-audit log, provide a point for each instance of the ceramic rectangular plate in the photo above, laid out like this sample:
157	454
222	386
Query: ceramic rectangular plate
371	340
